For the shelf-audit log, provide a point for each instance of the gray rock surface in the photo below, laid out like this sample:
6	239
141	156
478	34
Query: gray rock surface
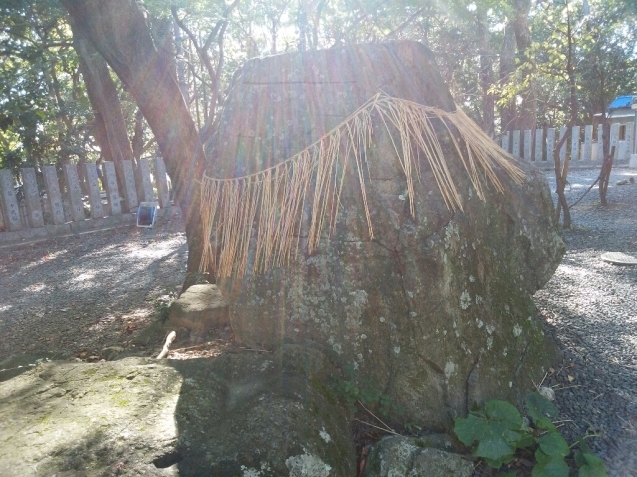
246	414
436	311
408	457
199	309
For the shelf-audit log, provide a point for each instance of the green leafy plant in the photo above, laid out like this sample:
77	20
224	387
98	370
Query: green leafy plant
500	431
346	386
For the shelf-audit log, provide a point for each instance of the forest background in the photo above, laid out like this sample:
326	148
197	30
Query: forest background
510	64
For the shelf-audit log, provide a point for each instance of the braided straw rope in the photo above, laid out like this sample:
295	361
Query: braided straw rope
275	197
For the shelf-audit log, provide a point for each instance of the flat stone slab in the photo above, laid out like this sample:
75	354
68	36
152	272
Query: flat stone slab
71	418
256	414
619	258
199	309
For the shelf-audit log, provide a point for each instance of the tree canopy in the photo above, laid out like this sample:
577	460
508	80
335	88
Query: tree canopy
505	61
85	80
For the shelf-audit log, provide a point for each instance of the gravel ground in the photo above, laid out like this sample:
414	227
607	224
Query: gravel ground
591	307
78	295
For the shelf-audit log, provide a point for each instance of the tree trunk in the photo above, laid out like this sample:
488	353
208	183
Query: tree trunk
487	79
527	112
561	172
507	68
607	153
119	32
110	125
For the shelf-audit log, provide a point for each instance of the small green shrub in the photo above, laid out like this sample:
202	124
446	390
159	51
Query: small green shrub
500	431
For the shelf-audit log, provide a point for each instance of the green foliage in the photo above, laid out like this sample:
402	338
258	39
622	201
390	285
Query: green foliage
347	387
500	431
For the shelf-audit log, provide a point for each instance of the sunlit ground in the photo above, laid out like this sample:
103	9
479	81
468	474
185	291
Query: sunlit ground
86	291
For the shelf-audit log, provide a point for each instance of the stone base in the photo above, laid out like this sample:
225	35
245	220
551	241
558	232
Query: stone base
199	309
633	161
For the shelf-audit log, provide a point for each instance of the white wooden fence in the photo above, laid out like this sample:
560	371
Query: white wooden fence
29	206
585	148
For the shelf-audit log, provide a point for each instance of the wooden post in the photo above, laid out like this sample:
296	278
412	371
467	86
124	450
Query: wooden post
9	201
112	191
74	192
95	198
32	197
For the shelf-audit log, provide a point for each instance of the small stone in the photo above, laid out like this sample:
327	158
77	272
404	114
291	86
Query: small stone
547	392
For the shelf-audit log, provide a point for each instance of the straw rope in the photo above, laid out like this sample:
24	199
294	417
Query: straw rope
270	203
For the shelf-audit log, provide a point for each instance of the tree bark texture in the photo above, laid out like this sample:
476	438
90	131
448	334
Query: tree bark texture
507	68
527	112
110	125
486	73
119	32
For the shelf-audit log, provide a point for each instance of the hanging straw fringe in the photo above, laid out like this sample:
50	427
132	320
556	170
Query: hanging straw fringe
275	197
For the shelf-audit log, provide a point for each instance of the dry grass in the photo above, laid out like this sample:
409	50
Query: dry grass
272	201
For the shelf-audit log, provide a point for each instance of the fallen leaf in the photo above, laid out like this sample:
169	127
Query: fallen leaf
551	370
570	378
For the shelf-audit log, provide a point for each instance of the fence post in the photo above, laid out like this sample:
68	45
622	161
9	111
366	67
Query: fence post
539	149
614	139
600	142
74	192
53	194
505	141
550	144
130	194
527	145
147	186
630	128
563	148
32	197
95	198
575	143
9	201
162	183
112	191
516	144
588	143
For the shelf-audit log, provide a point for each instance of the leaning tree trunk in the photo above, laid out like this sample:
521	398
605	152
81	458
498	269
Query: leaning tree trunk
110	125
507	68
119	32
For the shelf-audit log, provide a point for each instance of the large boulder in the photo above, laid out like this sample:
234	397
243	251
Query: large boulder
237	415
436	311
